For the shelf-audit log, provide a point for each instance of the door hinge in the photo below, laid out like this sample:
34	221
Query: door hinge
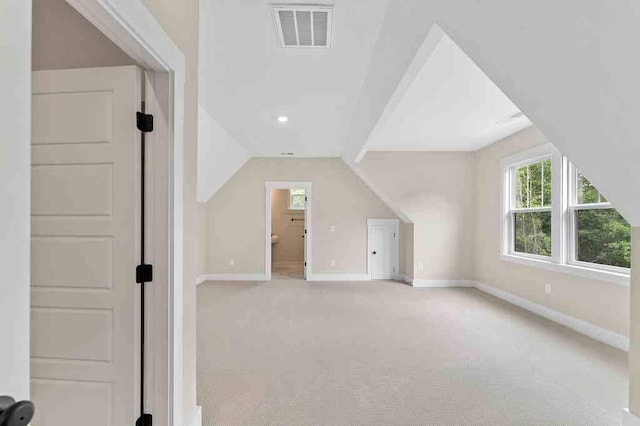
144	122
305	263
144	273
145	420
305	232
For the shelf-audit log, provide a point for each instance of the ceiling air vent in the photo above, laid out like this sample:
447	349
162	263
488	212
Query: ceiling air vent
303	25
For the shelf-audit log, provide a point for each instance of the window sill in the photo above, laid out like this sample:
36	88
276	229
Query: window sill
591	273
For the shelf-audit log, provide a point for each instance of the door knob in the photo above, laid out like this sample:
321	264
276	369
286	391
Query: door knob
14	413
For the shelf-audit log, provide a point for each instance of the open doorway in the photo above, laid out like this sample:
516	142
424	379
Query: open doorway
288	230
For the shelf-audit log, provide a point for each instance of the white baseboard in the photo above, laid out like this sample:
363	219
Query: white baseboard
629	419
583	327
441	283
231	277
339	277
196	417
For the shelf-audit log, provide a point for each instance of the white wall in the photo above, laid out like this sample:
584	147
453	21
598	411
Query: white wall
235	216
15	174
567	65
219	156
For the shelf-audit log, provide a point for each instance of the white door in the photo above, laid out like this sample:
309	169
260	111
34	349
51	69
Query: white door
383	248
85	246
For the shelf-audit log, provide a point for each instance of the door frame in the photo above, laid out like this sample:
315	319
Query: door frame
395	225
269	186
135	30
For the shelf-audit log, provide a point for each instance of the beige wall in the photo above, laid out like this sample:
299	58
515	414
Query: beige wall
435	191
406	249
290	246
63	39
601	303
180	21
235	216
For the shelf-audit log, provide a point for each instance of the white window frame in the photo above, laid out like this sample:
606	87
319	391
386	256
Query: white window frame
291	206
563	205
572	226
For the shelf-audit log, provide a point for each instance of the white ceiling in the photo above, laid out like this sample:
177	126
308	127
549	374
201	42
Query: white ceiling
449	105
248	80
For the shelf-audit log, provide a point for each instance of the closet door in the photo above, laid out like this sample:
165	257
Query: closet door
85	246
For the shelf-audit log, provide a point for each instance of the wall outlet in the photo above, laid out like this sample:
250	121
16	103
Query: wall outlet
547	288
420	266
232	262
333	262
332	228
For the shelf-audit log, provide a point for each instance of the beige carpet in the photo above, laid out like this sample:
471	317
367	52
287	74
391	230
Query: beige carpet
296	353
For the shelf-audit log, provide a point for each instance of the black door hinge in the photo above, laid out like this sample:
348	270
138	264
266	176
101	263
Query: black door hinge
144	122
145	420
305	263
144	273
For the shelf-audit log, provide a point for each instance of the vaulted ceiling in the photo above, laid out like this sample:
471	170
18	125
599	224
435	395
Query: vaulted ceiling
566	65
248	80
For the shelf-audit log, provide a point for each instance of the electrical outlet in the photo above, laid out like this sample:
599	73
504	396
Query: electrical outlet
333	262
332	228
232	262
547	288
420	266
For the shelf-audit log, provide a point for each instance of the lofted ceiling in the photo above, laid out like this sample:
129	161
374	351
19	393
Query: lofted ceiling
247	80
446	103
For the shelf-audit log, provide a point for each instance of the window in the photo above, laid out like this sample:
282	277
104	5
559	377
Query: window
554	217
297	199
531	208
598	233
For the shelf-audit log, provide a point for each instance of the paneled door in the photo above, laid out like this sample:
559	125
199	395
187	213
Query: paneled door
85	246
383	244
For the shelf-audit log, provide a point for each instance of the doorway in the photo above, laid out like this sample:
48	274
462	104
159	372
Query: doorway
93	360
288	230
383	238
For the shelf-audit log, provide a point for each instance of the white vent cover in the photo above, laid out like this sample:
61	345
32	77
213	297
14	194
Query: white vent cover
303	25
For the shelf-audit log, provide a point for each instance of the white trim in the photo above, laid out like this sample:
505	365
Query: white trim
629	419
232	277
268	187
591	273
196	417
395	225
583	327
135	30
562	218
420	283
339	277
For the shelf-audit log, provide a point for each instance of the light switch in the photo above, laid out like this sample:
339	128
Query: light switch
332	228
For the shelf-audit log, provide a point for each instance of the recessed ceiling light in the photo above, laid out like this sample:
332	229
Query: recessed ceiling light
283	119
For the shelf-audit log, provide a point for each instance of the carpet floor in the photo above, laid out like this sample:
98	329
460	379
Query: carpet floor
291	352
